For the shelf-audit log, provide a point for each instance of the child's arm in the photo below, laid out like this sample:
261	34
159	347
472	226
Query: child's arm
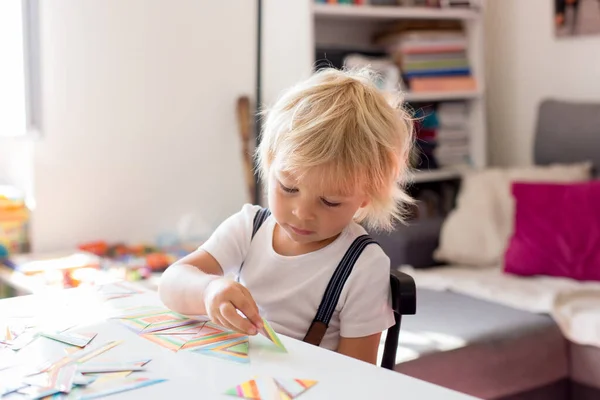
367	310
195	285
363	348
183	284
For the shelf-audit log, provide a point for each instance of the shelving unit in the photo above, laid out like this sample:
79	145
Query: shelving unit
347	26
352	26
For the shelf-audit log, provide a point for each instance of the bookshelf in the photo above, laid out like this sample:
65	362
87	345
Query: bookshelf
340	29
350	26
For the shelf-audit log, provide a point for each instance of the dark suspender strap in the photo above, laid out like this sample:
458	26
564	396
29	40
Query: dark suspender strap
317	329
259	218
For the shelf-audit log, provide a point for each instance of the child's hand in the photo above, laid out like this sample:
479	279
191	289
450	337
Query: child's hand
222	299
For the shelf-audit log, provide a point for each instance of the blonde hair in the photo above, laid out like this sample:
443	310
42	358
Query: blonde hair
341	121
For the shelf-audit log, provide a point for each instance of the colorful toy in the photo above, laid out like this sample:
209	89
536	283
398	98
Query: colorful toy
14	221
137	261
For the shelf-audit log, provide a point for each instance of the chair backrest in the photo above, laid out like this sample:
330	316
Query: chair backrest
404	302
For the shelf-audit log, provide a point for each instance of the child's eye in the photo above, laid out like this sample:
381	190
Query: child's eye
287	189
329	204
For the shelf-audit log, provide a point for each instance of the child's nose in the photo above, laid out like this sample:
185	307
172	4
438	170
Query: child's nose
303	211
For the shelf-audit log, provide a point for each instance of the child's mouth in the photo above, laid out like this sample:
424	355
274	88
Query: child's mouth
299	231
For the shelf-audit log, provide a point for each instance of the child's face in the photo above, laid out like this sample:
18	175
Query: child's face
306	212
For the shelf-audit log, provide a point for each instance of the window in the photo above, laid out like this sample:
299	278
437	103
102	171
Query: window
19	86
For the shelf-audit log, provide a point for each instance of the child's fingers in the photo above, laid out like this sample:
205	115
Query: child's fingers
238	322
223	322
248	306
220	320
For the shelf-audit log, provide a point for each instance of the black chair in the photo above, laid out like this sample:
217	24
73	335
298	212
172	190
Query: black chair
404	302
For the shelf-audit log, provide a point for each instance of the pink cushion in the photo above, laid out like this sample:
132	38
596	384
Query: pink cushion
557	230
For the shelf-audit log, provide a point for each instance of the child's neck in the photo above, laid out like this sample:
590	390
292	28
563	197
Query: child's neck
284	246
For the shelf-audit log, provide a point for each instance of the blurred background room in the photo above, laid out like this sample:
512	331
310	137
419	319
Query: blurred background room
127	128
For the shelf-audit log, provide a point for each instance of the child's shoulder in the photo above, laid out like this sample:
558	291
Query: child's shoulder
246	213
242	219
373	255
249	210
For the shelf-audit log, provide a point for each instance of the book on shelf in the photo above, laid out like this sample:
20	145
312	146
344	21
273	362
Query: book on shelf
443	84
443	136
451	135
431	57
452	114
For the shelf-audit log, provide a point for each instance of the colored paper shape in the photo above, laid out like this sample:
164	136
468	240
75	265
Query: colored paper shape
256	389
43	366
37	392
154	322
83	380
72	338
211	339
22	340
111	375
192	329
99	367
190	337
8	358
290	388
174	338
172	342
10	331
270	334
62	378
8	387
271	388
112	386
89	353
235	350
55	380
139	363
134	325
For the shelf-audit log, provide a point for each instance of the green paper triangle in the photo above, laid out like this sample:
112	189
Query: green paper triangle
239	348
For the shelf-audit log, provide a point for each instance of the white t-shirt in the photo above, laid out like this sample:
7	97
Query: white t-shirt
289	289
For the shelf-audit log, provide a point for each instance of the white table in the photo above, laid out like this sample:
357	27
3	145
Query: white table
192	375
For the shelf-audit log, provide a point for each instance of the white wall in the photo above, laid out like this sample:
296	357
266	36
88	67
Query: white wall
288	50
526	63
16	169
139	116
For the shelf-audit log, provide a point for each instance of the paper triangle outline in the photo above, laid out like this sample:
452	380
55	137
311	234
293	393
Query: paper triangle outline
285	388
235	350
71	338
292	388
270	334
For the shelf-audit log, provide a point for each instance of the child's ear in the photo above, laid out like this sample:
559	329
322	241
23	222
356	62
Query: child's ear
365	203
